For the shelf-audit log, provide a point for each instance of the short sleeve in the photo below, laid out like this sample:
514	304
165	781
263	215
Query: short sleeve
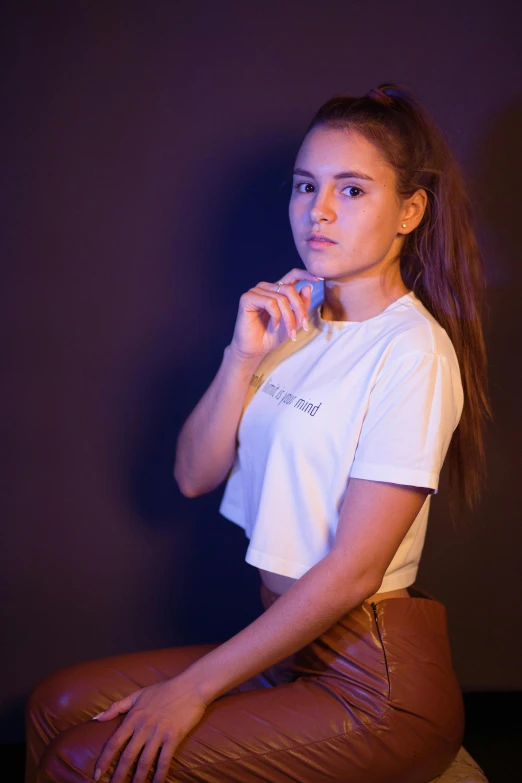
412	412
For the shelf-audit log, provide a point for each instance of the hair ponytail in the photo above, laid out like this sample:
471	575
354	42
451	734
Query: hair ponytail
440	259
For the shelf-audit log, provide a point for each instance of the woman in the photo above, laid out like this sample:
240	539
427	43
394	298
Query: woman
331	424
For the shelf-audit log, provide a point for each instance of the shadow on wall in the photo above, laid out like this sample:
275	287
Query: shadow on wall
251	241
496	168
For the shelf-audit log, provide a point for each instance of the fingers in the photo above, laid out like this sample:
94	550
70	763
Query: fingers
112	747
258	299
146	761
151	746
278	305
293	306
164	761
118	707
110	712
127	759
296	274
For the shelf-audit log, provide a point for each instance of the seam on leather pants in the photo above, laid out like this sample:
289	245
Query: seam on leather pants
374	607
352	732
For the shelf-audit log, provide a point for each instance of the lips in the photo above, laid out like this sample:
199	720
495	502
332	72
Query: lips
319	238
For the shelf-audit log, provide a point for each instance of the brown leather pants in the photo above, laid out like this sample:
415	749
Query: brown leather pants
372	700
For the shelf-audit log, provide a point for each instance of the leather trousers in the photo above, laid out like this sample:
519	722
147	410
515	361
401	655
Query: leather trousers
374	699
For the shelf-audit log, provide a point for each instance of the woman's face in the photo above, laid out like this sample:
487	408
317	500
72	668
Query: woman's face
343	188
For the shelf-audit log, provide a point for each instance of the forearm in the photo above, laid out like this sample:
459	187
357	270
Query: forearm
308	608
206	444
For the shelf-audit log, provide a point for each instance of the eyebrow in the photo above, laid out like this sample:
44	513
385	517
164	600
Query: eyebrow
341	175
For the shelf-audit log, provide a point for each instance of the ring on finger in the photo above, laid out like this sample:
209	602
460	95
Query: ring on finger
279	286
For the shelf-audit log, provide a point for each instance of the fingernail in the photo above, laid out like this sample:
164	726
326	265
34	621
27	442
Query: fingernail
305	324
98	715
319	278
97	775
293	335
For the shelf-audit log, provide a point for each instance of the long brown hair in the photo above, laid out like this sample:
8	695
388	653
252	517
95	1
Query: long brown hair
440	260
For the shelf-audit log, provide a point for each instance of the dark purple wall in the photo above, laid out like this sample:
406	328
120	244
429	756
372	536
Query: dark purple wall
145	149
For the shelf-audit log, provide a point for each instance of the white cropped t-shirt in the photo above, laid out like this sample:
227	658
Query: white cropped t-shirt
377	399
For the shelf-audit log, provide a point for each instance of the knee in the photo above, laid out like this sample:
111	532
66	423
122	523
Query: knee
60	698
65	761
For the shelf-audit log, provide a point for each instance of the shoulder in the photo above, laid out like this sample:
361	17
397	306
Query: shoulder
418	369
415	331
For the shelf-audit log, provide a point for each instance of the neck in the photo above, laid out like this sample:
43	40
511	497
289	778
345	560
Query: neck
343	303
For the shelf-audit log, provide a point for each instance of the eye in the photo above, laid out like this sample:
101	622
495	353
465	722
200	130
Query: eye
354	187
298	185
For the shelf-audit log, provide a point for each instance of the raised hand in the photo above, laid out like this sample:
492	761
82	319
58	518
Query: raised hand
266	317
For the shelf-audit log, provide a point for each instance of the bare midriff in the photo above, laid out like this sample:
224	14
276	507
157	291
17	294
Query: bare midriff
279	584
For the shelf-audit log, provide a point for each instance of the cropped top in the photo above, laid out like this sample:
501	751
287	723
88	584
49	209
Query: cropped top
377	399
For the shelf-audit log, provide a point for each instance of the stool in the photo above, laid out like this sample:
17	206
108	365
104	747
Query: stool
463	769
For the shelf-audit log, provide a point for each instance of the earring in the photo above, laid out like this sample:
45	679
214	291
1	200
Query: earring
404	225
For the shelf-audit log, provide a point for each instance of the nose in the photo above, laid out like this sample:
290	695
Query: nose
321	209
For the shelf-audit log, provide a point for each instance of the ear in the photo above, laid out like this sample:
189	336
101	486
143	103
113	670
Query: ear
414	209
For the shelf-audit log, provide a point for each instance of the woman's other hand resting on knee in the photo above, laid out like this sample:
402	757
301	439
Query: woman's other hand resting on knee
159	717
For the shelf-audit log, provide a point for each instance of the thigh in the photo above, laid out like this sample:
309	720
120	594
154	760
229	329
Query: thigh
74	694
334	719
78	692
372	700
288	723
293	731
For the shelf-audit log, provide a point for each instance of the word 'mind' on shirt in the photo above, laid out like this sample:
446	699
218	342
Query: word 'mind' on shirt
283	396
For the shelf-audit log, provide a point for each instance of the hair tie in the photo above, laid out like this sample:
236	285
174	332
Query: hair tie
378	94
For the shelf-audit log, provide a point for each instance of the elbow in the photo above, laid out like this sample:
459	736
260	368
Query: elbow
200	484
187	489
370	587
183	486
359	586
366	586
187	492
